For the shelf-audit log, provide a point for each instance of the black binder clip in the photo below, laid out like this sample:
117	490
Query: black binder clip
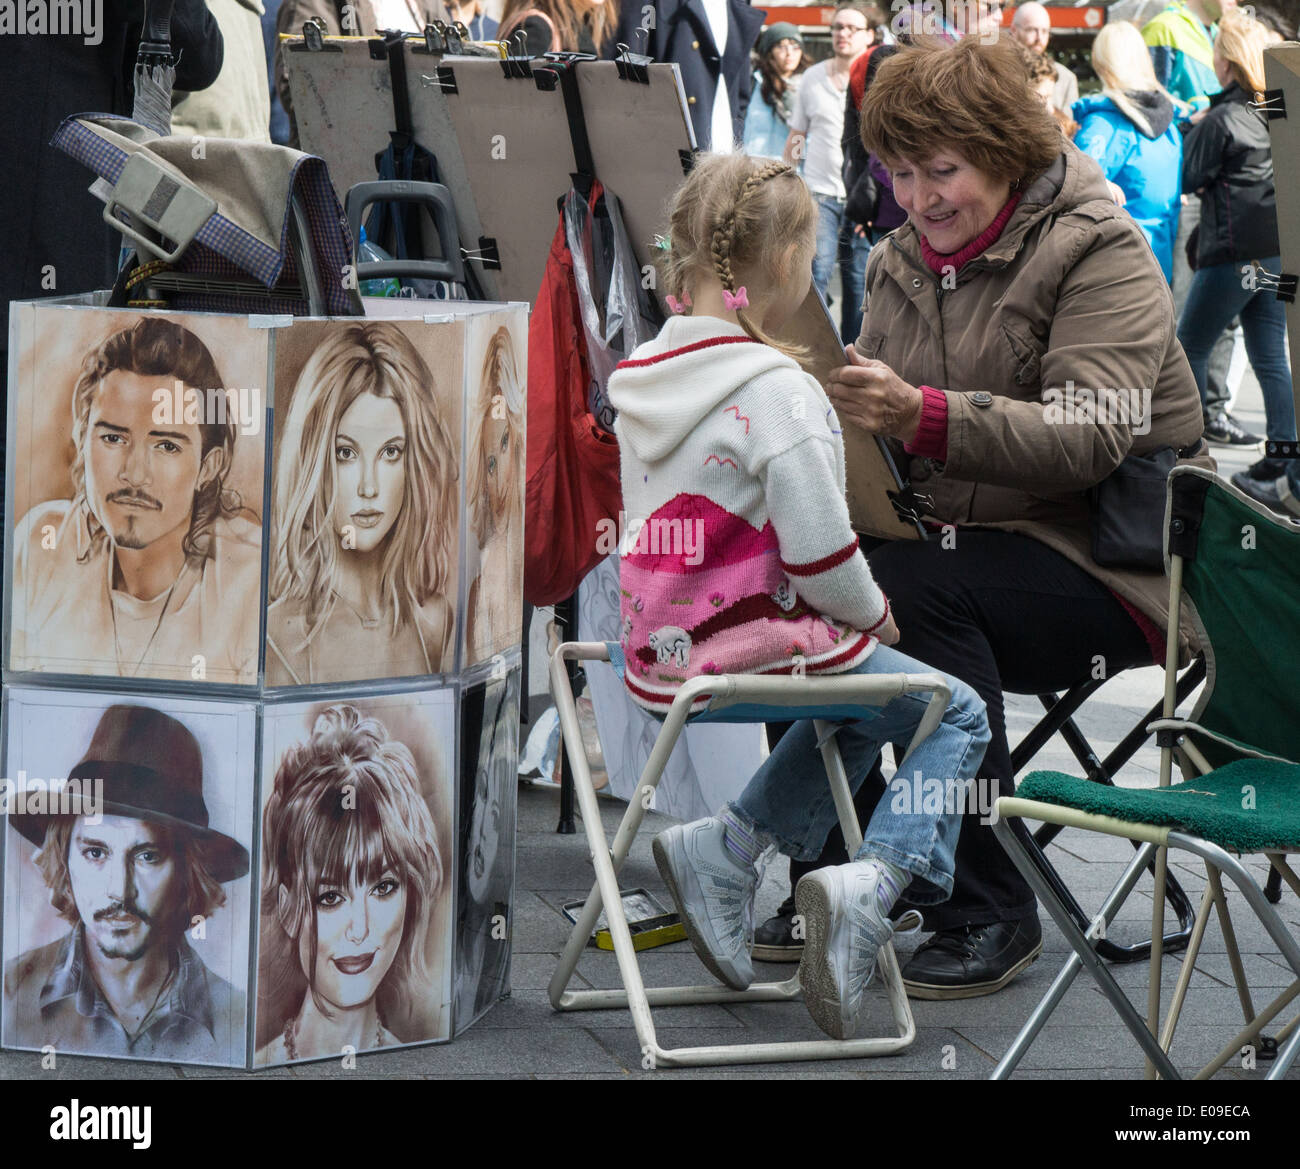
435	45
1273	106
313	35
486	254
909	505
632	66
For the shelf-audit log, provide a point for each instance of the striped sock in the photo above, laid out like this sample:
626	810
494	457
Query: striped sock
741	838
893	881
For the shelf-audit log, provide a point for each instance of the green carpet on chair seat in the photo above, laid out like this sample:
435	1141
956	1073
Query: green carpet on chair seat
1246	806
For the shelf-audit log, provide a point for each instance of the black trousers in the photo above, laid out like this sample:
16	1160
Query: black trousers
1001	612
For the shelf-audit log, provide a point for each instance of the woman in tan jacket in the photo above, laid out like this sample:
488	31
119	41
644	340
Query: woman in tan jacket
1015	293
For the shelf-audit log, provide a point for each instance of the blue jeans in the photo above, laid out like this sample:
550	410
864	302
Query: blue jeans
790	798
1216	296
854	250
830	214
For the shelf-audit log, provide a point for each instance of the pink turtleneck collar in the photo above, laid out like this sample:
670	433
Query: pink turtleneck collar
937	261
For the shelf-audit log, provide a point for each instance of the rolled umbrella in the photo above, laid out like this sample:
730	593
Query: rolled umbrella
155	69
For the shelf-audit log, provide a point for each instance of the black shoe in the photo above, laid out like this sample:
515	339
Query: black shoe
1224	430
1266	470
972	960
774	940
1275	494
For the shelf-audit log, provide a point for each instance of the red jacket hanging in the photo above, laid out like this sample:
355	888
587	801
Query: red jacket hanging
573	465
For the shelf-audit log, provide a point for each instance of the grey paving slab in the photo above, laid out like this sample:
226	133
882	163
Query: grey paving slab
531	1010
924	1056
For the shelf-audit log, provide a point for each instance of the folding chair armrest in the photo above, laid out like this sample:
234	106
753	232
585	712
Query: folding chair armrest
1183	725
1008	807
581	651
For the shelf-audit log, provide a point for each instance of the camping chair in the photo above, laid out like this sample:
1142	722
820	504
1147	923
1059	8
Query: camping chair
732	698
1237	566
1060	710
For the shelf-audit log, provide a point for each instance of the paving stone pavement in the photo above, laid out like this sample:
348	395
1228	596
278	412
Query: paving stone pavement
522	1037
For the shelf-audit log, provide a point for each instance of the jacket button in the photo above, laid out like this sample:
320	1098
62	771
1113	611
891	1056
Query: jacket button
916	282
695	44
982	398
690	100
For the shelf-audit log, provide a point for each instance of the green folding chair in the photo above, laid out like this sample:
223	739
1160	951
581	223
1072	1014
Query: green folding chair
1236	566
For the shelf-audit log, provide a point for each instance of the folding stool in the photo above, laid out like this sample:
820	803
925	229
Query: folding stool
732	698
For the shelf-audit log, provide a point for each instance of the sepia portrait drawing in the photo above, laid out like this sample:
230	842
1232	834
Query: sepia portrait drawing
126	906
137	487
355	881
494	491
488	797
365	531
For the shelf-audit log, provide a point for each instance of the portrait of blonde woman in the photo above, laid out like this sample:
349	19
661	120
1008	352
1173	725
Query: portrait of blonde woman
494	499
352	878
363	562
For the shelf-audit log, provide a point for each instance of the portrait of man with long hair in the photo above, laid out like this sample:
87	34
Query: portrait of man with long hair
151	567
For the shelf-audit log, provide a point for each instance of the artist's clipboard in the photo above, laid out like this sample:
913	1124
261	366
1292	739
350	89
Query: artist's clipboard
872	479
504	136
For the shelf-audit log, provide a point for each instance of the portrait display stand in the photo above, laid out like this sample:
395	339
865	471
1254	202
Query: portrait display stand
1282	75
262	629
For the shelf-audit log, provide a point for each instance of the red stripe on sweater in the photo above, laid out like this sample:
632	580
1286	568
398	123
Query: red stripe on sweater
885	618
825	564
631	363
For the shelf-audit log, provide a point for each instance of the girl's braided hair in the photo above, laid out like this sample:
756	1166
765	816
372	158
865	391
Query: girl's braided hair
734	217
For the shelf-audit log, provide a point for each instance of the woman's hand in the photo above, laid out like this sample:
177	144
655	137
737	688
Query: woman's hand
871	395
888	633
1117	193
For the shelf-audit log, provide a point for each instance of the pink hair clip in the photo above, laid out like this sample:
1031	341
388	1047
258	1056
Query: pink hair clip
740	299
679	306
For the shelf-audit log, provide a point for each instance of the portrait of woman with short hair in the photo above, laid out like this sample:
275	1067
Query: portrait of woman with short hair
355	894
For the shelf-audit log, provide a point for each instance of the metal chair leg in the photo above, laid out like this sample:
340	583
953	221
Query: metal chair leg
1083	948
1065	979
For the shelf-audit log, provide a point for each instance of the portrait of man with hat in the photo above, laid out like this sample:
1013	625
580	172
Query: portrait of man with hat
133	870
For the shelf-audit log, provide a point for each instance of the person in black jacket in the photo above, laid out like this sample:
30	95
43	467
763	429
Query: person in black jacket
1226	158
682	31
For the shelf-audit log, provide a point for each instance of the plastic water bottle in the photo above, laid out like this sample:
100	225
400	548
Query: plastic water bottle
368	252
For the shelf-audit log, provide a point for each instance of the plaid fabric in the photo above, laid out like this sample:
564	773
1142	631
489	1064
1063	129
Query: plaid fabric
221	247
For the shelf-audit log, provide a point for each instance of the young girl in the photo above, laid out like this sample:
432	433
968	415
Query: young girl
746	563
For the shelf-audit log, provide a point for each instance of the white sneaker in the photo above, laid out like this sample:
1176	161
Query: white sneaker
714	894
843	932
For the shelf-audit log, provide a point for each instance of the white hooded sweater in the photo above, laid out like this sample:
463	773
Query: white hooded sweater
738	556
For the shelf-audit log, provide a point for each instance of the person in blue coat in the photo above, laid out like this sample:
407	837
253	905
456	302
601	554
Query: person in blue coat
1131	129
780	61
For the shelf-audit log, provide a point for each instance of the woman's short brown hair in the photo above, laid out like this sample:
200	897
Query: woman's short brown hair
969	98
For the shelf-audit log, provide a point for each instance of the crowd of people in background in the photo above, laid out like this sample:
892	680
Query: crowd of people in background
1173	127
